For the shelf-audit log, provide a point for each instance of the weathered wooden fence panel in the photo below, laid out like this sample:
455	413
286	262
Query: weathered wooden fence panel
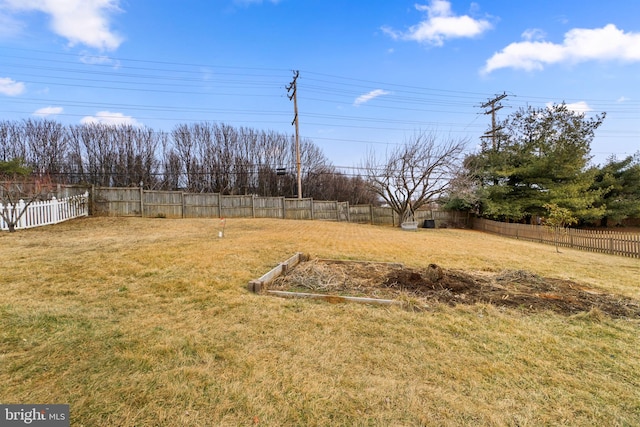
604	241
236	206
383	216
201	205
298	208
65	190
116	201
167	204
361	214
268	207
176	204
453	219
326	210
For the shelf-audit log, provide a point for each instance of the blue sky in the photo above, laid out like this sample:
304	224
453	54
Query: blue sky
372	73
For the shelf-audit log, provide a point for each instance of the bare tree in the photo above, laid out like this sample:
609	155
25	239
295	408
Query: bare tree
415	173
93	152
135	155
171	166
183	148
200	157
464	192
224	153
19	188
12	141
274	154
47	146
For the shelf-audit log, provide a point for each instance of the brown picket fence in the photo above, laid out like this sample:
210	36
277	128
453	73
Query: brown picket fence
604	241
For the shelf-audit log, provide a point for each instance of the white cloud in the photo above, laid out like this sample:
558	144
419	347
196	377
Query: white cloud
11	87
109	118
87	58
580	45
369	96
48	111
79	21
440	24
533	34
577	107
622	99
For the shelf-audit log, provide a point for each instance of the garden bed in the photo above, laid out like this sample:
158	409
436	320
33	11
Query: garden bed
420	287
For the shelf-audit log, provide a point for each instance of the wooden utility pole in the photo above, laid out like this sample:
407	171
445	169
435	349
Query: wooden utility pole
494	129
293	86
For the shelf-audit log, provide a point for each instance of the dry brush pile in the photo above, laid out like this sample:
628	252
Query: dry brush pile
508	288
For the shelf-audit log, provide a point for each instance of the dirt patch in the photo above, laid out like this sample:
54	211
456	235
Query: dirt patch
512	288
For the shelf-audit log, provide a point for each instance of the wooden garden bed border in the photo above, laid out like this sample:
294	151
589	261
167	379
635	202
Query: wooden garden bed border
260	285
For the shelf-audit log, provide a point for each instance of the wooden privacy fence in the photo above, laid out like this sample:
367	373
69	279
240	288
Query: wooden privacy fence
610	242
176	204
47	212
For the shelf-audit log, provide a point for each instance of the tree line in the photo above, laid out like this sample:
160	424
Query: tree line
199	157
537	166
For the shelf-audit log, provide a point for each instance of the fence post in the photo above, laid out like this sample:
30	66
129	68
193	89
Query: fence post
141	202
92	200
253	205
571	238
85	206
284	207
611	246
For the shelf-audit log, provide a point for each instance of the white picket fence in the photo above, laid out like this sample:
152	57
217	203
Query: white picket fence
48	212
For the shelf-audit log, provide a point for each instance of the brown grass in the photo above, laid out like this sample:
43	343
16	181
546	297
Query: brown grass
148	322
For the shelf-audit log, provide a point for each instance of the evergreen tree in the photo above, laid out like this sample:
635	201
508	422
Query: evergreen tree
540	157
13	168
619	182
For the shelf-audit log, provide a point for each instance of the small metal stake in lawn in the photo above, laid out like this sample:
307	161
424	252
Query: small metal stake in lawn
223	222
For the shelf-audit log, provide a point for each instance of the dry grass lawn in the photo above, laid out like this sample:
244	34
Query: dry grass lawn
142	322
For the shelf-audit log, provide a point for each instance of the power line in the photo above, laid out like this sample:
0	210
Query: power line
493	103
176	89
196	69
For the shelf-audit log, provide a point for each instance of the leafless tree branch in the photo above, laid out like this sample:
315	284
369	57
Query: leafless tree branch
416	172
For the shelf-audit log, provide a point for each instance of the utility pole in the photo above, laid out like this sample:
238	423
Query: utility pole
293	86
494	129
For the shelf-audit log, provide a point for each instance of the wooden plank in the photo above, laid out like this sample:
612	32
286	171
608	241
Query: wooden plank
334	299
257	285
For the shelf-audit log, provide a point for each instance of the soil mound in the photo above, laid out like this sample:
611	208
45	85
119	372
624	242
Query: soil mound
511	288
